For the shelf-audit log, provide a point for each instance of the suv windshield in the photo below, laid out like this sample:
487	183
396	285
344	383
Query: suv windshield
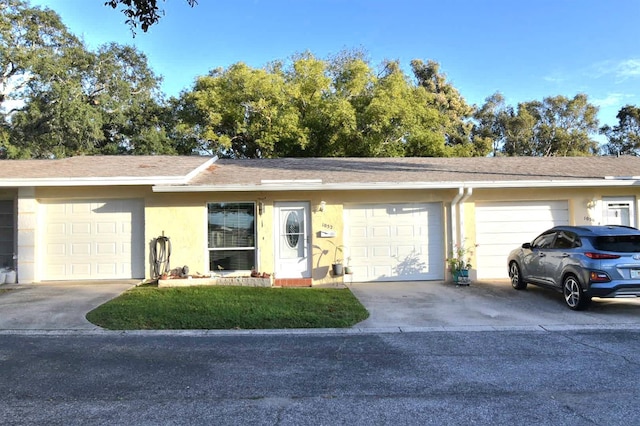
620	243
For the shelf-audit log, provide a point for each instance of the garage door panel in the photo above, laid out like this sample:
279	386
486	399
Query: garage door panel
58	249
106	249
80	228
80	269
80	249
358	251
107	268
402	241
381	251
407	251
504	226
107	228
94	240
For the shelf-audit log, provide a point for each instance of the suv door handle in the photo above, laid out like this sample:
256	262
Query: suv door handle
541	255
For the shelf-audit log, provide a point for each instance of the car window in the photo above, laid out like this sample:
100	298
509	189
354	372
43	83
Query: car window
619	243
565	240
544	241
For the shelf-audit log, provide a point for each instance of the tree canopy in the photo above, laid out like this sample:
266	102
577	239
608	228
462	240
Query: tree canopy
336	107
58	98
624	137
555	126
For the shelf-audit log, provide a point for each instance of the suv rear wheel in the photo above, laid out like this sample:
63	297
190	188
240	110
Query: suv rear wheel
575	298
516	277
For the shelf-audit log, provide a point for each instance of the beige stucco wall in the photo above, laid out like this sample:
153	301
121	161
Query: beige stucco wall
182	217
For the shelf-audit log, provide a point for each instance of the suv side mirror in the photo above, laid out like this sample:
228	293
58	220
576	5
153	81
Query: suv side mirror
526	246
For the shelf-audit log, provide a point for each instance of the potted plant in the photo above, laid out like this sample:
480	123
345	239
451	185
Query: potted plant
459	263
338	270
347	267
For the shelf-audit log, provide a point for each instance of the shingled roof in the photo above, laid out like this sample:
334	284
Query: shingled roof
408	172
161	169
181	173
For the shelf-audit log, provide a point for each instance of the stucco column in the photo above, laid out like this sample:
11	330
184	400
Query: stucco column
27	218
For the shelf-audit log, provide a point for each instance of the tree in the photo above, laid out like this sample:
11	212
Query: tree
456	114
59	99
313	107
141	12
491	122
239	112
555	126
32	41
624	137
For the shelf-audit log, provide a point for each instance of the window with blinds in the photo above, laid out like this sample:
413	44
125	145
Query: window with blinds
231	236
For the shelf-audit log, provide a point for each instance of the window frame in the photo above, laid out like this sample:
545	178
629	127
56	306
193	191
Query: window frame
211	248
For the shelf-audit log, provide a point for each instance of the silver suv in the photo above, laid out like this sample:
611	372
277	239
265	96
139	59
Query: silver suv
581	262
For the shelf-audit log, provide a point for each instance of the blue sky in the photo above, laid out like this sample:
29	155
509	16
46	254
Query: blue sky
527	50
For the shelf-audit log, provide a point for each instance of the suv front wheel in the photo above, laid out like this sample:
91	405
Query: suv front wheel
516	277
575	298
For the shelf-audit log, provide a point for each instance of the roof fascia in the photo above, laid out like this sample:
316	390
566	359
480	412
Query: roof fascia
394	185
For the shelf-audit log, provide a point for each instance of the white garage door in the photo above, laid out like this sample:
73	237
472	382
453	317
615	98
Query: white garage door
395	242
94	240
503	226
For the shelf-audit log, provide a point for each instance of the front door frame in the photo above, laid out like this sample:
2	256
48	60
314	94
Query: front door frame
299	267
611	202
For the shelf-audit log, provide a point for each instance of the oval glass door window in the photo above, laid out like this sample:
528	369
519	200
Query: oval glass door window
293	229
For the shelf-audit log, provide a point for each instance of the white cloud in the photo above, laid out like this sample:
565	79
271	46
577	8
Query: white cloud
612	99
628	69
620	70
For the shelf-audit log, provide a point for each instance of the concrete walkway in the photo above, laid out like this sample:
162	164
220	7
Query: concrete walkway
55	305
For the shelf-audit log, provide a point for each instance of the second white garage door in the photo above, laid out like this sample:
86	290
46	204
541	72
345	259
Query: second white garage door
101	239
395	242
503	226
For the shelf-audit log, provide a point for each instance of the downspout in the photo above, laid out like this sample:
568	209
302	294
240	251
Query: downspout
454	216
466	196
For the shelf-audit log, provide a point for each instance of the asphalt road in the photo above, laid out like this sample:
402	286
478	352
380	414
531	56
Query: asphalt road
569	377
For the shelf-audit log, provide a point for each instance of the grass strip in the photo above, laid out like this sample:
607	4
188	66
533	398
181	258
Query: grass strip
146	308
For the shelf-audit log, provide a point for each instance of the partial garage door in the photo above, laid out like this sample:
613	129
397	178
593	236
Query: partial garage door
100	239
395	242
503	226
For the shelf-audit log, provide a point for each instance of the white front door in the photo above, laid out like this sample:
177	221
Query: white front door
619	211
292	240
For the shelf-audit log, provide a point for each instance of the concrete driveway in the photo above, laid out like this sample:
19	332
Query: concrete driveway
55	305
483	305
395	305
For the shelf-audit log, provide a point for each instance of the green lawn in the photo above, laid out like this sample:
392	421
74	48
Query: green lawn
147	308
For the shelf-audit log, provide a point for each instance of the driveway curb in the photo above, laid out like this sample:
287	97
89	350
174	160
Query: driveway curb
322	331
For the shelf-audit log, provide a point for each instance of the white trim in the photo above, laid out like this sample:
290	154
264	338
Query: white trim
398	185
461	217
200	168
454	217
608	202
